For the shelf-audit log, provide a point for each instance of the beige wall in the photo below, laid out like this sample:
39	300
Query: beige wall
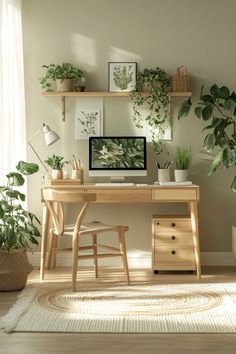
165	33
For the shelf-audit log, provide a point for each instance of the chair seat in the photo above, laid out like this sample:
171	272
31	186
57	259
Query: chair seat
94	227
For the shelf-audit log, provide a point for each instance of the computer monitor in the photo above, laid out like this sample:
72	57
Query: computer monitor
117	156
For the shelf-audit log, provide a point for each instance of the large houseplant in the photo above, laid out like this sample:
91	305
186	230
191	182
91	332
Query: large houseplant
66	74
18	230
218	109
156	84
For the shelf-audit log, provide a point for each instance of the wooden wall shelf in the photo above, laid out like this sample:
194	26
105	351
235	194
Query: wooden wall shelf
63	95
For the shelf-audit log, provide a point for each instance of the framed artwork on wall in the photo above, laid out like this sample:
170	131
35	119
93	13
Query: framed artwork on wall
88	123
122	76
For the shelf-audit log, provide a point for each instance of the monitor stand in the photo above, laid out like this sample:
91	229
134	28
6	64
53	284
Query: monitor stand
117	179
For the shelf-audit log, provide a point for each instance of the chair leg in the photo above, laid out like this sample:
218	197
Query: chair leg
52	236
75	249
121	233
54	254
95	260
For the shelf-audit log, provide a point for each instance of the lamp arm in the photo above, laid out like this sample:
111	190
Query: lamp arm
29	142
36	133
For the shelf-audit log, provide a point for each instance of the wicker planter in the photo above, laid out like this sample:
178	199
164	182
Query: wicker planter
14	270
64	85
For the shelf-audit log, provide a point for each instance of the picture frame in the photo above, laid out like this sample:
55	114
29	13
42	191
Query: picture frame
122	76
89	122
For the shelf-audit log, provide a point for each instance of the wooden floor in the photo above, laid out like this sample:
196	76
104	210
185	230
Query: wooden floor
45	343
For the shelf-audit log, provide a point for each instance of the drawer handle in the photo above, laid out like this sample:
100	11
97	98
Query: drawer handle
173	252
158	223
172	224
173	237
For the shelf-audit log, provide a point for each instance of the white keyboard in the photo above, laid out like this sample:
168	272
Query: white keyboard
115	184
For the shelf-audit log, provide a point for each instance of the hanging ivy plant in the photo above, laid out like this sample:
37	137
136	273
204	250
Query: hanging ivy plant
152	94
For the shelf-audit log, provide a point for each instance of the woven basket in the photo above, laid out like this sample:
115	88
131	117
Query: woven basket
180	81
14	269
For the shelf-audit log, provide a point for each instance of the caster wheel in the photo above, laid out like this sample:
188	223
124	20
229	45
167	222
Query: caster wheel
156	271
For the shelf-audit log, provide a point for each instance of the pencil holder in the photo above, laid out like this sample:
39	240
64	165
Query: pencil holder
78	174
163	175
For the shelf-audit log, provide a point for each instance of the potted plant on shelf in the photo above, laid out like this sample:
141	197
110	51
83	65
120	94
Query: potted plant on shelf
17	230
56	163
182	160
156	84
64	75
218	109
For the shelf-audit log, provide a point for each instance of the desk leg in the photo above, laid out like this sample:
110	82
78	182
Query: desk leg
45	231
195	230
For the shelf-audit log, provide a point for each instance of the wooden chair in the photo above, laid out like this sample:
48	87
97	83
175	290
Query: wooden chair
54	197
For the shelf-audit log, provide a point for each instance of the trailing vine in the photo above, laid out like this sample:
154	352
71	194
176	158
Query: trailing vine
156	84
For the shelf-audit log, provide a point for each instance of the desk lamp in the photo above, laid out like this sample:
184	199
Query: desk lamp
50	138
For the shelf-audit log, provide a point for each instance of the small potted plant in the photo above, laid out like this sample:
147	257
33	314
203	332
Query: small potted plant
65	76
182	160
56	163
18	230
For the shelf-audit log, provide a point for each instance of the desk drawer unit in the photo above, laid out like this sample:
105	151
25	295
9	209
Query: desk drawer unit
172	243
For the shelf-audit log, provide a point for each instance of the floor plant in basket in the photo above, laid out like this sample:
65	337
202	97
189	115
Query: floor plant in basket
18	230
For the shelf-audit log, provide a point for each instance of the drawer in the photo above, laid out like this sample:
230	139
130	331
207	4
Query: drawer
176	225
123	195
172	194
174	256
173	239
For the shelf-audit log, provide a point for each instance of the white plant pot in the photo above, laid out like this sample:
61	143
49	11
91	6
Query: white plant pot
163	175
234	242
57	174
181	175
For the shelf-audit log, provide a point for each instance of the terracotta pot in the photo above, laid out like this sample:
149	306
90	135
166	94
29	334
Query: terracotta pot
57	174
14	269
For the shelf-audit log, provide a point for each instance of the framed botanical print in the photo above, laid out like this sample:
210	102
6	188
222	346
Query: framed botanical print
88	123
122	76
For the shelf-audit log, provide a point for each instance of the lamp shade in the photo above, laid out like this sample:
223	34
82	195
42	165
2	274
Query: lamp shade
49	135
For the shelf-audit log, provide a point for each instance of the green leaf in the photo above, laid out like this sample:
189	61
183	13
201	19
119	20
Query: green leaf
185	108
224	92
6	207
15	179
198	112
207	112
209	142
214	90
216	162
233	185
207	99
15	195
27	168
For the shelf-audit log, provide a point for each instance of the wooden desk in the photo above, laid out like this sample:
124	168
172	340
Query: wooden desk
136	194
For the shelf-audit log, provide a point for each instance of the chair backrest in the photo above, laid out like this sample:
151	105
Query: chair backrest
55	199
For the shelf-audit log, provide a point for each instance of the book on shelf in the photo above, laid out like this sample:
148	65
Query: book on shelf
173	183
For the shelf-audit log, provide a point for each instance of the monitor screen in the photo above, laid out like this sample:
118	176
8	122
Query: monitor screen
117	156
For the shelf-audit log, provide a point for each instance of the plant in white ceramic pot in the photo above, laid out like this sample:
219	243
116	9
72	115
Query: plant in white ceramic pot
56	163
18	230
182	160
